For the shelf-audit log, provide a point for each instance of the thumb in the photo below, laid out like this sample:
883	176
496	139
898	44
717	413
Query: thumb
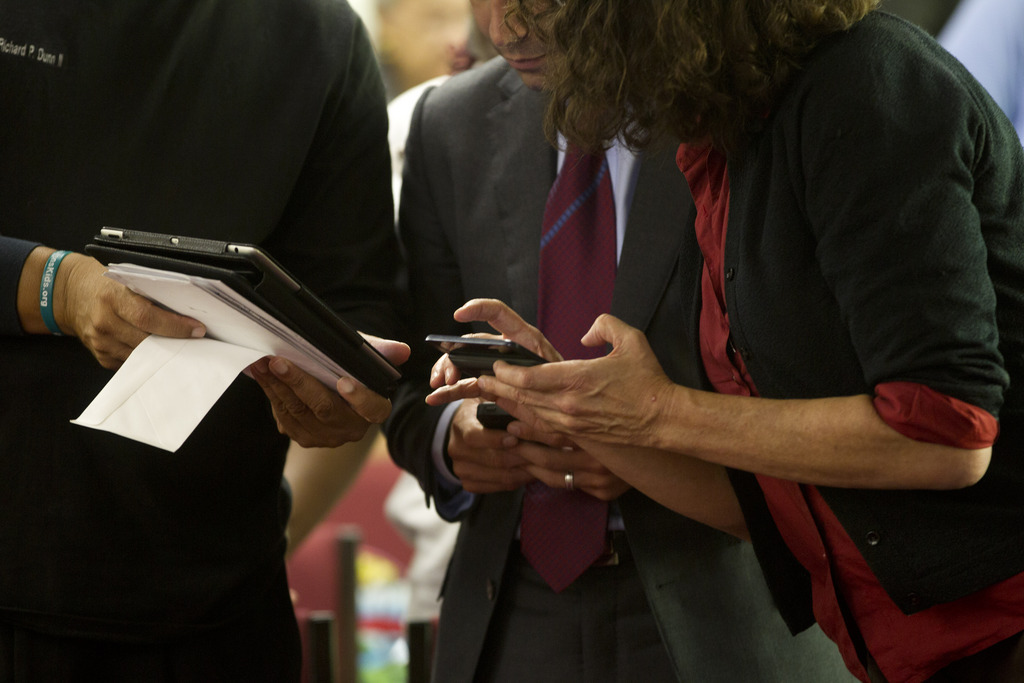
366	403
395	351
607	329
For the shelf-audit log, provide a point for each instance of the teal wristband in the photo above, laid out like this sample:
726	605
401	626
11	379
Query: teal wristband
46	290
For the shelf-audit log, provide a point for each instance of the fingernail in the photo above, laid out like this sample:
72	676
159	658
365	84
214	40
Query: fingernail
279	367
509	441
346	386
198	332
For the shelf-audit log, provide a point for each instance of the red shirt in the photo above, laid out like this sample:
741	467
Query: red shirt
907	648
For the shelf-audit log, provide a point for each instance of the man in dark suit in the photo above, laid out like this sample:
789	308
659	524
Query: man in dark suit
683	600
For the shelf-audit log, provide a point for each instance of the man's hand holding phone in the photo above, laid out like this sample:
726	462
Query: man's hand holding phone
485	456
484	460
466	358
475	356
517	342
493	416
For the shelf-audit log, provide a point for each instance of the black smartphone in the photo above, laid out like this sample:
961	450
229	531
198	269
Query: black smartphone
475	356
493	417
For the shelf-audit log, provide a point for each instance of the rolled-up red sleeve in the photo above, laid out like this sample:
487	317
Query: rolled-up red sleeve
921	413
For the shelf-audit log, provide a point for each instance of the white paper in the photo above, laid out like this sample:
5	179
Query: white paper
228	316
166	387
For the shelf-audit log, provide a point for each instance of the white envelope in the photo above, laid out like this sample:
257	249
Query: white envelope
165	388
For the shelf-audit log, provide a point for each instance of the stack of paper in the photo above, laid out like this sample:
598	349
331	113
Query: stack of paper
167	386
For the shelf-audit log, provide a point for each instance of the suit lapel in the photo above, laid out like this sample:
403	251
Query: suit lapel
654	235
524	169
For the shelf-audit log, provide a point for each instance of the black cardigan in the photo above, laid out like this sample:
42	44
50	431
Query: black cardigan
876	234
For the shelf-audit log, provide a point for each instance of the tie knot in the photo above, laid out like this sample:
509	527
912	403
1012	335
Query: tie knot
576	158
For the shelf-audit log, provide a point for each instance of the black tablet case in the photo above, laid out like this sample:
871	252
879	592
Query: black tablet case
261	280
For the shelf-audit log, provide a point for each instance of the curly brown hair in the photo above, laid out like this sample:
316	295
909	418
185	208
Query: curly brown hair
694	70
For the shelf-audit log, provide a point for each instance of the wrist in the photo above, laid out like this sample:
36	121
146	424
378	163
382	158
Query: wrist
47	298
665	416
29	315
75	269
443	465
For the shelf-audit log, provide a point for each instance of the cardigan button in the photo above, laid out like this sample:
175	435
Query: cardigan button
730	274
872	538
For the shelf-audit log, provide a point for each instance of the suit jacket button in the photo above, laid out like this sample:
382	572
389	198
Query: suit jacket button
490	590
872	538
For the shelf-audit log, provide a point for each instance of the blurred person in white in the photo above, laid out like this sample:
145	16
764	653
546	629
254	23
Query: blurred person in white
988	37
416	40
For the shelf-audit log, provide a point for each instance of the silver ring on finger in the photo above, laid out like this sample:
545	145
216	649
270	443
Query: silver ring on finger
569	482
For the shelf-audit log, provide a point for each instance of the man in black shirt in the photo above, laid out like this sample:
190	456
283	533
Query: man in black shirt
255	122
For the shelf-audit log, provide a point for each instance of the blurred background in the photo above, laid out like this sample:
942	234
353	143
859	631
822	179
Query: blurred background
928	14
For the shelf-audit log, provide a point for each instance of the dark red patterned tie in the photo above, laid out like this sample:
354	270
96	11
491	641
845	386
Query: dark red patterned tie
563	532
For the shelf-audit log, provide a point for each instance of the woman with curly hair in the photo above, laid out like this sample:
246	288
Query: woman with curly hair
858	314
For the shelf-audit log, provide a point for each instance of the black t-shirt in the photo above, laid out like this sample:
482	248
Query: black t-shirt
260	122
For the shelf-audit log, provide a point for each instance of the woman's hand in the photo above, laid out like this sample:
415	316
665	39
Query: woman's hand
555	467
488	460
617	399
